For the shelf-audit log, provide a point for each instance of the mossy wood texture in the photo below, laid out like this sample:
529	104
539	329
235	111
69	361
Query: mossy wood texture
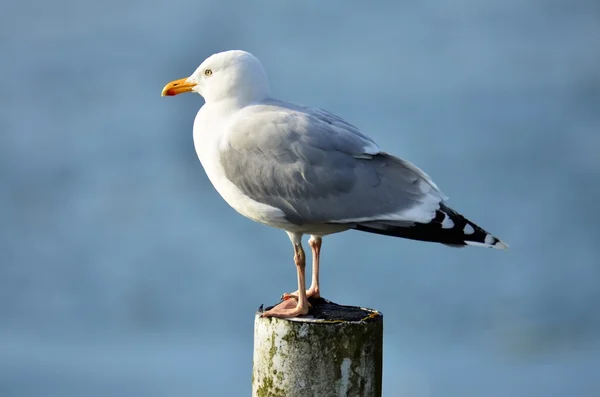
327	355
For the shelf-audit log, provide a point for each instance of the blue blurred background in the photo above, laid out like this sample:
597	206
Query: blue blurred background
123	273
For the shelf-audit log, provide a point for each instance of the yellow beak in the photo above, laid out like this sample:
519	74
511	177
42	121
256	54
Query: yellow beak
177	87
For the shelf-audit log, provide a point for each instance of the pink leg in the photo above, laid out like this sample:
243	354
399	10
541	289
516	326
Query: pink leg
314	290
315	244
292	308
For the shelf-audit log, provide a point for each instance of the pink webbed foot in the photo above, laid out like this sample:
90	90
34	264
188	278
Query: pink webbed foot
287	309
310	293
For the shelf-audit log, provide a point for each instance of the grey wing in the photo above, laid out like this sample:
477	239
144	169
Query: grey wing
329	118
319	172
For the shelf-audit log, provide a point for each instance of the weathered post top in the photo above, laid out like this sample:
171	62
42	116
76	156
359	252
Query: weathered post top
335	350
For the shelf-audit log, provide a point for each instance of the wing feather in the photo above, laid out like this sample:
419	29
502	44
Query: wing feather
317	168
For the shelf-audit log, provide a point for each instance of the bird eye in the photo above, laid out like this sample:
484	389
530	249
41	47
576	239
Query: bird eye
207	72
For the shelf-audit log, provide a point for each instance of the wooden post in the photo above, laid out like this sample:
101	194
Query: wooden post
335	351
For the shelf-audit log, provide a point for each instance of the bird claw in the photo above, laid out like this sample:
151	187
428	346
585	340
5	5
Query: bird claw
310	293
287	297
287	309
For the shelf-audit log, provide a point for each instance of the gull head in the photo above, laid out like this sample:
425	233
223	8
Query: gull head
230	75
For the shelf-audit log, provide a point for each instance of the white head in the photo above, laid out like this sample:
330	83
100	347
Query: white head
235	75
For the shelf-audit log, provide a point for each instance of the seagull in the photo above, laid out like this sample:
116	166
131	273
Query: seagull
307	171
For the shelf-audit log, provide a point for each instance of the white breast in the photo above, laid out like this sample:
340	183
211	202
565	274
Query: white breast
208	138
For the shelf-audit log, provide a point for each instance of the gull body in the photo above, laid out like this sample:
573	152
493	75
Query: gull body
307	171
211	141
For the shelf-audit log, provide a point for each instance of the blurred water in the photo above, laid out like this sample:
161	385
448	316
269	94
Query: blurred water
122	272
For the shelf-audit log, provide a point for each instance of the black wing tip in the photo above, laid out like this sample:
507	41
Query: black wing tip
447	227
